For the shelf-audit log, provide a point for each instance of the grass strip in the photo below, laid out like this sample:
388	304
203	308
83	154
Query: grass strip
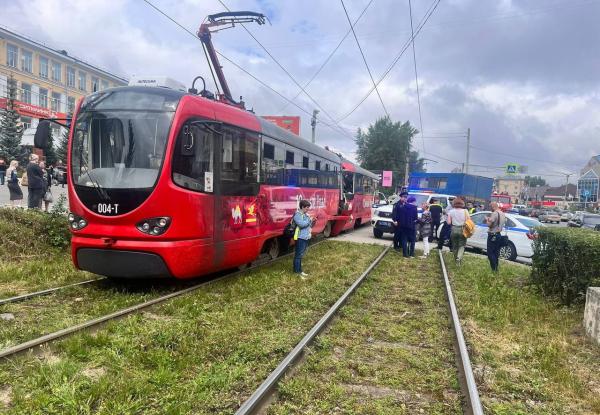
203	353
390	350
529	353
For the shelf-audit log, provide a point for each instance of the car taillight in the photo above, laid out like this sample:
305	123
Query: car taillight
532	235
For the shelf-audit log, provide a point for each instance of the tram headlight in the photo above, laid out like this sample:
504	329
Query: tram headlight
76	222
154	226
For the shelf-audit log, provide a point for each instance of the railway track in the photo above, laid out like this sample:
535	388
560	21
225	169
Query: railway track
262	396
31	344
48	291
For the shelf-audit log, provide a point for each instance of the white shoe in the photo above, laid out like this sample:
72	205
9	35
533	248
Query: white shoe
303	275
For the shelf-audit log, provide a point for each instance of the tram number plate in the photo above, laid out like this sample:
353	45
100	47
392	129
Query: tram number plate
108	208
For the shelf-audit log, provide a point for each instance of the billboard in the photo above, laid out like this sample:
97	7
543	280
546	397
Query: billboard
290	123
387	178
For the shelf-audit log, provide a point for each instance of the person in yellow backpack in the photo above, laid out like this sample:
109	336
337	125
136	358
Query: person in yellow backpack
302	235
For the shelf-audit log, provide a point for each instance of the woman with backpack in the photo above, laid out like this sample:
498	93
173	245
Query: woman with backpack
16	194
457	218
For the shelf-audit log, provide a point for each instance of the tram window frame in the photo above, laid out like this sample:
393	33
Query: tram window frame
241	179
305	162
268	151
193	182
290	157
318	165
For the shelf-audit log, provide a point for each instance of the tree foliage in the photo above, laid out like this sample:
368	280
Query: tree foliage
50	151
10	129
533	181
62	145
384	146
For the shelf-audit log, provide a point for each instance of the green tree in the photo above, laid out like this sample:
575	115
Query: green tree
384	146
533	181
63	143
49	151
11	130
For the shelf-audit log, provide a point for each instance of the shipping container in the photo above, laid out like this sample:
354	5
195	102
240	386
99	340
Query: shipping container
472	188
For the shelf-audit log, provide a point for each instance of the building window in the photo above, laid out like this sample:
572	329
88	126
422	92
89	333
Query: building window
103	85
289	157
12	55
26	61
43	67
70	77
55	102
82	80
95	83
305	162
70	104
43	98
26	93
56	72
26	122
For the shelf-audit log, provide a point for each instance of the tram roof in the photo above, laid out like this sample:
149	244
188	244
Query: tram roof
357	169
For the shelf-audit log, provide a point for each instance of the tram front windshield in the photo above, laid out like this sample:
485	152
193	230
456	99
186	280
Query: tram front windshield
119	145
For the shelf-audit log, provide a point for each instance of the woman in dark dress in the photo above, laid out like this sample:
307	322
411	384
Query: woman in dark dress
16	194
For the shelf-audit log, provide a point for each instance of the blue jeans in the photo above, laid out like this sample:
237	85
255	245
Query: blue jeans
301	245
408	238
2	176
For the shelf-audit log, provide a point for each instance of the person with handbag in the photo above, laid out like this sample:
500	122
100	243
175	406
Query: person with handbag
457	218
36	185
16	194
495	240
302	234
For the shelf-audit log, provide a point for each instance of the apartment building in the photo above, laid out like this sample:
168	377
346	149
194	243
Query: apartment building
512	186
49	81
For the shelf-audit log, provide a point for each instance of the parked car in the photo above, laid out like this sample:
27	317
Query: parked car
521	231
576	220
590	221
550	216
566	216
525	211
535	213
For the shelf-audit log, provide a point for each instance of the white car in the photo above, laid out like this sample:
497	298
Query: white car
381	217
519	229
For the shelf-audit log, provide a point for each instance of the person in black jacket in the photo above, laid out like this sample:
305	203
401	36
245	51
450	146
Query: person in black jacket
436	216
35	183
396	214
407	224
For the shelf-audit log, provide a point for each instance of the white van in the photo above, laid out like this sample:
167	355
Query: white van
381	219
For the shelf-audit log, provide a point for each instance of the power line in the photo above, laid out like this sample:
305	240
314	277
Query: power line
412	32
364	59
238	66
510	155
330	55
428	14
289	75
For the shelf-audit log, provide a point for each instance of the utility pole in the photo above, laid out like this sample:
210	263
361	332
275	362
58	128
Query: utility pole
313	123
468	149
406	169
567	186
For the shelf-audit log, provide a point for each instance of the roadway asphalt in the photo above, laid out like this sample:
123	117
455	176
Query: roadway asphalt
5	196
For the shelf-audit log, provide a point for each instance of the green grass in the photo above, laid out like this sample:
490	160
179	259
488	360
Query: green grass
389	352
202	353
530	354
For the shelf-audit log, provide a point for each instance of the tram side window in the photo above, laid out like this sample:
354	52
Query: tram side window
348	178
358	184
193	159
305	162
239	172
272	170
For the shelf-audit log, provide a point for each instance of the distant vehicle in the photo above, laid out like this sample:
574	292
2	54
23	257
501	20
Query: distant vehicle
382	215
60	175
519	207
471	188
576	220
550	216
525	211
504	201
590	221
566	216
521	232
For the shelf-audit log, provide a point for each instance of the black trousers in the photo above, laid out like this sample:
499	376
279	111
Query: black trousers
34	198
435	225
408	238
494	243
445	235
397	238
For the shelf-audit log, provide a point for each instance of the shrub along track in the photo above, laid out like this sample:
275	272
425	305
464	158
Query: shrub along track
390	351
199	353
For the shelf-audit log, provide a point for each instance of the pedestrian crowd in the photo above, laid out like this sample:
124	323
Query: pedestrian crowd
36	177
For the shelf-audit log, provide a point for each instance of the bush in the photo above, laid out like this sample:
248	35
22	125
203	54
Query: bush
31	233
566	262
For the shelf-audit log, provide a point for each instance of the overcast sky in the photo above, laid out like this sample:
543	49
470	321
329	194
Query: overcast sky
523	75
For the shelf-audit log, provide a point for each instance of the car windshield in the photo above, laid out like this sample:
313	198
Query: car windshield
530	223
420	199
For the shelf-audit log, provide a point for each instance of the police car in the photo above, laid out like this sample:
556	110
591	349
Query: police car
521	232
381	218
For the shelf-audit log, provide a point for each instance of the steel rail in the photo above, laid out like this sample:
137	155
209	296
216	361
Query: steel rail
45	292
472	394
5	353
267	387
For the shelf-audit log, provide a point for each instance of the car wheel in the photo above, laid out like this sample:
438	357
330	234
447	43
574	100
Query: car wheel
377	233
327	230
508	252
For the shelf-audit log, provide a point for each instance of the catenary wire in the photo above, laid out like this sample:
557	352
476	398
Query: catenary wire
342	130
428	14
412	33
240	68
330	55
364	59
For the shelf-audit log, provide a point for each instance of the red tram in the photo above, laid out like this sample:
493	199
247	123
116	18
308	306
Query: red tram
164	183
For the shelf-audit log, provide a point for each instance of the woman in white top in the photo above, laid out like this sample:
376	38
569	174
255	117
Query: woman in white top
457	218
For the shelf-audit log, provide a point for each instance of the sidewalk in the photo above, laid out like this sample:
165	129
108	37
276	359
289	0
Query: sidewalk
5	195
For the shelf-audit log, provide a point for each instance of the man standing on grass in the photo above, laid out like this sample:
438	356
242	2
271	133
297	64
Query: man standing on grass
436	216
495	224
396	215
